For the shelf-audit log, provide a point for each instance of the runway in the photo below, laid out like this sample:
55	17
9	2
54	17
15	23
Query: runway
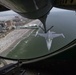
13	38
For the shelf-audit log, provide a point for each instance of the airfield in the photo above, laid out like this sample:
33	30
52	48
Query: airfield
13	38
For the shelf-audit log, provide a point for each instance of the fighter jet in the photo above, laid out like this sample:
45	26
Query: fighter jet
49	36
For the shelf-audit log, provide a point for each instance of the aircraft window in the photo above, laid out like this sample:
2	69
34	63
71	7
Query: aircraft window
25	38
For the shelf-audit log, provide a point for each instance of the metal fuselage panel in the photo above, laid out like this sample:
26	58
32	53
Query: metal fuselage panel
28	8
65	4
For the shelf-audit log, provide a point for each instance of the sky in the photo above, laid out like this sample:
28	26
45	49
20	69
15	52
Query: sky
58	9
12	12
9	14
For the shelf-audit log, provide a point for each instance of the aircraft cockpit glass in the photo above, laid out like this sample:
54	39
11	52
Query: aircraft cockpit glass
29	41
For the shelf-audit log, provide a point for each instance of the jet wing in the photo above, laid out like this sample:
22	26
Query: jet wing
41	34
57	35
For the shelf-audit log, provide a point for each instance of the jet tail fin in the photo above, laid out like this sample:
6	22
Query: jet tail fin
49	43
